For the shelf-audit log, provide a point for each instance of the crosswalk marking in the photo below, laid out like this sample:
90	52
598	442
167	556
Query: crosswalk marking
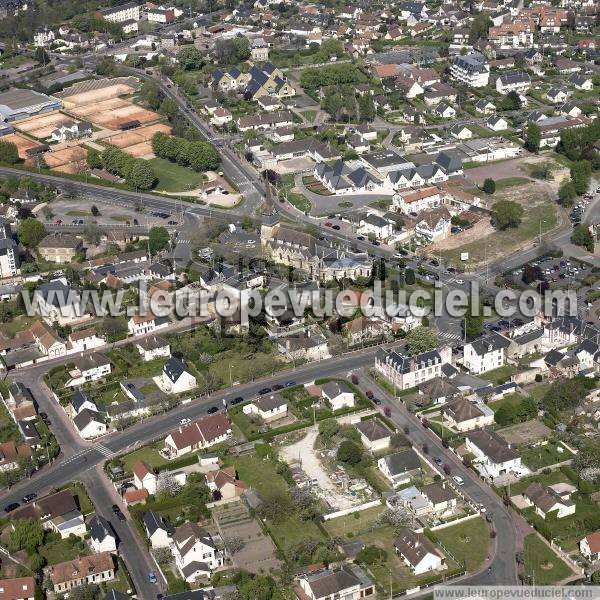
77	455
104	450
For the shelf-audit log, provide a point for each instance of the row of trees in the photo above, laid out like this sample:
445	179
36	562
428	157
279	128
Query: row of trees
198	155
138	173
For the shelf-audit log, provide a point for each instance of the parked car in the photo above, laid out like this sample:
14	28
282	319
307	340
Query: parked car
152	577
354	378
277	387
212	410
290	383
121	516
115	508
369	394
387	411
459	480
264	391
28	498
12	506
185	421
237	400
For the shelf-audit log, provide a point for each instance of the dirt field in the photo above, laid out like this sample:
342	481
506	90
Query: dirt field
112	112
23	144
525	433
42	126
258	553
482	241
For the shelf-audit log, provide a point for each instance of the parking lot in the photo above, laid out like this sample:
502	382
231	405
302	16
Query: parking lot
560	272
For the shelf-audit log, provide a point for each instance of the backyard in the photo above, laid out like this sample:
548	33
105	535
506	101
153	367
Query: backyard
541	565
468	542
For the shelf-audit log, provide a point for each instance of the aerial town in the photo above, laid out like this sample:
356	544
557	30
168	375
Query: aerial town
299	300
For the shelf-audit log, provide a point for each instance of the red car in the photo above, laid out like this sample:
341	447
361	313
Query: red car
328	224
369	394
58	221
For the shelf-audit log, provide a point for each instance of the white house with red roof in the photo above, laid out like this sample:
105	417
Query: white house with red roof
198	435
589	546
144	477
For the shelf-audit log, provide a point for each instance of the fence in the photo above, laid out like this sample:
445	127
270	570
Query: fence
352	509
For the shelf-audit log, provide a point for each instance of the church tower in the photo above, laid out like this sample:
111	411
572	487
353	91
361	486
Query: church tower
269	217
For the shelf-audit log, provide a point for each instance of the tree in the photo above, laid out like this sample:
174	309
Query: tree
167	484
489	186
349	452
168	108
158	239
94	159
371	555
92	234
94	210
27	534
479	27
581	172
533	137
506	214
473	320
567	192
421	339
532	273
141	175
9	153
328	428
366	107
85	592
31	232
409	277
190	58
581	236
150	93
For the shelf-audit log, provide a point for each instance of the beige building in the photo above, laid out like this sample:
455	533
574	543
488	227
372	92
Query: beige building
59	248
80	571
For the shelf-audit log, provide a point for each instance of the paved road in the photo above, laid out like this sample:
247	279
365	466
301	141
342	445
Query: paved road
503	569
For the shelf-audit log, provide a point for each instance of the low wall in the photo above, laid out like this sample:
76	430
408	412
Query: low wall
353	509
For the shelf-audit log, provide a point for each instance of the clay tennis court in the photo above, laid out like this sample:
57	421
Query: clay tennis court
111	114
96	96
42	126
137	142
22	144
66	160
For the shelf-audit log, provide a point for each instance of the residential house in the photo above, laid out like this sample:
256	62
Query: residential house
19	588
374	434
102	535
94	569
444	111
486	353
9	251
513	81
43	36
404	371
58	302
399	468
225	483
418	553
144	477
557	95
463	415
268	408
206	432
348	583
433	225
374	225
461	132
153	347
20	402
438	390
195	552
545	500
338	395
440	496
267	80
159	534
485	106
417	201
308	345
88	368
493	456
84	339
175	378
90	424
59	247
71	130
57	512
121	13
363	328
589	546
10	455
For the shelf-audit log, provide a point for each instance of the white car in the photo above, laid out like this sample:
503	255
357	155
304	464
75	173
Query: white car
458	479
460	281
185	421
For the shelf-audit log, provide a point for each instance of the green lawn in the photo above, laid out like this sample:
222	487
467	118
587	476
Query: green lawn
342	526
173	178
12	327
58	550
148	454
545	479
542	565
8	428
499	375
544	456
468	542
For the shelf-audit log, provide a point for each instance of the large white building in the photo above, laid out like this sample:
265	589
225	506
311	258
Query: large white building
493	456
119	14
9	254
485	353
471	70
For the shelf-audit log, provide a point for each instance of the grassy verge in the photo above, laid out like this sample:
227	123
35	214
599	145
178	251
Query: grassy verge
174	178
